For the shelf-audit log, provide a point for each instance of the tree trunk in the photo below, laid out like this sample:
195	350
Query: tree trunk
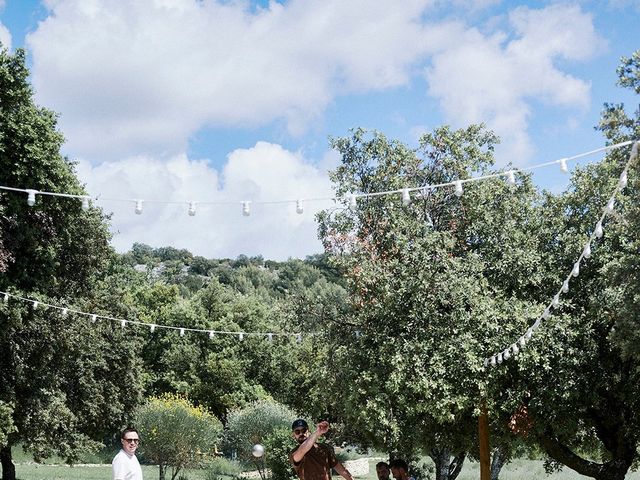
615	469
163	471
497	462
8	468
447	469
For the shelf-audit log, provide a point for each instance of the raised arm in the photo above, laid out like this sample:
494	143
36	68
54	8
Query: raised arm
342	471
321	429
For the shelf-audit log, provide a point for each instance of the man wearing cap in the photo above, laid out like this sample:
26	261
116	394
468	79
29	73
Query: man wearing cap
311	460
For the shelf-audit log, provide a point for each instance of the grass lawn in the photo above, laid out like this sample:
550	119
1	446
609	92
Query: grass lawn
520	469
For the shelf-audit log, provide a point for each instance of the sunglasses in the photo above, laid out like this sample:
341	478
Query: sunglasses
132	440
300	431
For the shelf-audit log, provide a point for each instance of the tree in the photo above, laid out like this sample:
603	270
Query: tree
425	287
176	433
57	397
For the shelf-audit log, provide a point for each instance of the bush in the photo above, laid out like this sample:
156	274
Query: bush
177	434
278	444
253	424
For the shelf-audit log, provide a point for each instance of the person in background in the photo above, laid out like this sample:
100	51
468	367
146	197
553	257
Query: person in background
125	465
382	470
312	460
400	469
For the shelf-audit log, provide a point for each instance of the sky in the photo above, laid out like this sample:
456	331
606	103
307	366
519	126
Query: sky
230	101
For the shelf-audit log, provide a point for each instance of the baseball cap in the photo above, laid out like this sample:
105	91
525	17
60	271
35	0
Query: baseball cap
299	423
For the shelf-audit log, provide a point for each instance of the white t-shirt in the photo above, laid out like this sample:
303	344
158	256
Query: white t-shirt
125	467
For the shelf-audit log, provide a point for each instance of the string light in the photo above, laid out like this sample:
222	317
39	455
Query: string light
94	317
152	328
246	208
6	298
511	178
270	337
211	334
35	305
123	323
241	336
85	203
182	332
31	197
586	252
458	189
192	209
406	197
65	311
563	165
138	209
299	207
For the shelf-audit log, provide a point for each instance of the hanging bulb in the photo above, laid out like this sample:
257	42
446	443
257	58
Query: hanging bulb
94	317
493	361
6	298
270	337
523	341
31	197
622	182
546	314
353	200
182	332
576	269
152	328
299	207
35	305
536	325
246	208
586	253
406	198
192	209
500	357
511	178
598	231
298	338
241	336
506	354
85	203
556	301
486	362
528	334
563	165
458	190
610	205
138	207
211	334
123	323
565	286
515	349
65	311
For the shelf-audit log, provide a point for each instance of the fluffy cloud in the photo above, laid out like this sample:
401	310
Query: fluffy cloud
494	77
5	35
140	76
263	173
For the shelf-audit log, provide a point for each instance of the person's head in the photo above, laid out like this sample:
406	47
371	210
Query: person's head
130	440
399	469
382	470
300	430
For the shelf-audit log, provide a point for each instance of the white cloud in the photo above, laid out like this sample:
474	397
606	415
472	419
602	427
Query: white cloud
5	35
263	173
493	78
136	76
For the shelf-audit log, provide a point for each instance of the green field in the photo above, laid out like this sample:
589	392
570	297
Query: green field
518	470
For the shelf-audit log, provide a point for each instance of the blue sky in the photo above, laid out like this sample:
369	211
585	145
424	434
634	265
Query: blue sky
185	100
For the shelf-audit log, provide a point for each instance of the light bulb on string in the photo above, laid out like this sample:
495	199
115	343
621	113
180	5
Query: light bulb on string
486	362
353	201
94	317
6	298
493	361
270	337
610	205
622	182
536	325
299	207
241	336
546	314
511	178
298	338
515	349
35	305
563	165
123	323
556	301
523	341
138	209
246	208
528	334
506	354
182	332
458	190
406	197
500	357
211	334
598	232
192	209
152	328
31	197
576	269
586	253
85	203
65	311
565	286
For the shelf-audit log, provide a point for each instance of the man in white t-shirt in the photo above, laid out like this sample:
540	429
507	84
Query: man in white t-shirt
125	464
